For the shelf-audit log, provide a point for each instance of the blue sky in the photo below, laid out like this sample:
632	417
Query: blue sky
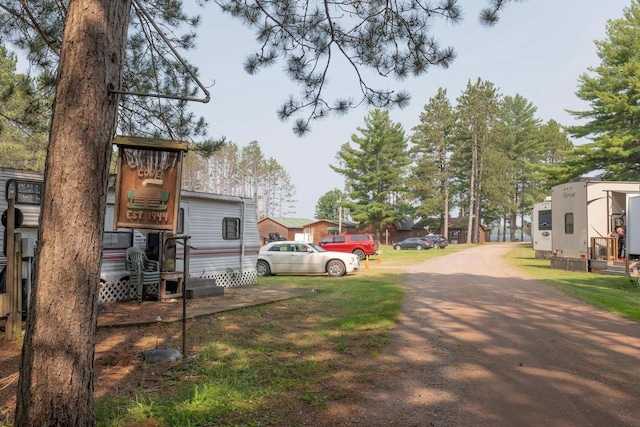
538	50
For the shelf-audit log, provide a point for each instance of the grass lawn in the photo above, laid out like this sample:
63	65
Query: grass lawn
617	294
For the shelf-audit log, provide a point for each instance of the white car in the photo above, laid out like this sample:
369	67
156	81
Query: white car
287	257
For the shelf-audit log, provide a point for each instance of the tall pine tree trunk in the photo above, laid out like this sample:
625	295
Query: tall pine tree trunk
476	221
472	183
504	230
445	225
56	372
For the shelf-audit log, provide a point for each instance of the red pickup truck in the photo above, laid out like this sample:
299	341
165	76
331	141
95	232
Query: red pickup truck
357	244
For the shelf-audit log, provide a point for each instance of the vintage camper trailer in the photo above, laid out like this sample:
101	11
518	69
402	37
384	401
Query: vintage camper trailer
541	228
583	216
223	231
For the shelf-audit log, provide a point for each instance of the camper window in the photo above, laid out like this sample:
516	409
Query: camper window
117	240
568	223
231	228
544	220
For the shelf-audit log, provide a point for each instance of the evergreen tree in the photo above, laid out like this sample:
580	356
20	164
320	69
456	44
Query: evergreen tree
612	90
432	145
375	168
523	149
477	111
24	110
557	149
329	205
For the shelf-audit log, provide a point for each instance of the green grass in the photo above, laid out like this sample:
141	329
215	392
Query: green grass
248	360
258	366
617	294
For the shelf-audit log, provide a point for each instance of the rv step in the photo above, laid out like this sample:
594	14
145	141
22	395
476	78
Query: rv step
620	271
203	288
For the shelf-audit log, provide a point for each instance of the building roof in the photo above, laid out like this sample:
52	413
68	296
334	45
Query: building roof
289	222
335	222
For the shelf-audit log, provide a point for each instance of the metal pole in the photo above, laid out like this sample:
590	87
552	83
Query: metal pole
14	321
185	286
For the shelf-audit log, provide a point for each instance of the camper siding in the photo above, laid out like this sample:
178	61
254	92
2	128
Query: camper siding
230	262
541	235
633	227
593	204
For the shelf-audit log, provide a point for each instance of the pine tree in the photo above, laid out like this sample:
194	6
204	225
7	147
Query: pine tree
24	109
477	110
432	145
375	168
612	90
521	126
329	205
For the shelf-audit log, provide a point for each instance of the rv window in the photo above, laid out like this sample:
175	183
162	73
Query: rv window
117	240
568	223
231	228
544	220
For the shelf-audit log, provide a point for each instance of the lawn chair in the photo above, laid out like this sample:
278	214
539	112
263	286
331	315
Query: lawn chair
143	271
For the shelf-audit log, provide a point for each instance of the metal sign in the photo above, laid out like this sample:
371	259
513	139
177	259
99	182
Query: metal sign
148	184
24	192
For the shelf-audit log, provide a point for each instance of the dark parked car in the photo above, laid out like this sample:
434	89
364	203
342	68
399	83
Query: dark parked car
438	240
418	243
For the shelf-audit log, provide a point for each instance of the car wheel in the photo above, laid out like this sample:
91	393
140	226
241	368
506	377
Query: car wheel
359	253
262	268
336	268
397	247
419	247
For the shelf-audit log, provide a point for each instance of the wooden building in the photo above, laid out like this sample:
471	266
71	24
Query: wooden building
325	227
457	229
286	228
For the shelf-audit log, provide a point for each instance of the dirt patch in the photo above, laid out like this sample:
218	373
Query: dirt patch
126	329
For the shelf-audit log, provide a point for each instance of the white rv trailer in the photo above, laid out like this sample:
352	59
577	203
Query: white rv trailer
541	226
224	239
633	227
583	210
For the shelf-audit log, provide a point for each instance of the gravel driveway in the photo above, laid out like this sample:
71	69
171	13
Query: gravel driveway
481	344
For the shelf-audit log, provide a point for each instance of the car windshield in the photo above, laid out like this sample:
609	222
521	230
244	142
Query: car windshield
316	247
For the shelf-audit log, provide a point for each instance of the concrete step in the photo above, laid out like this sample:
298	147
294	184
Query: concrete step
203	288
615	269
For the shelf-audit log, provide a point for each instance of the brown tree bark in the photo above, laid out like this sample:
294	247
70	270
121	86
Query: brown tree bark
56	372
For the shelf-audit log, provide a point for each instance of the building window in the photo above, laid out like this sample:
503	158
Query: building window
231	228
568	223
